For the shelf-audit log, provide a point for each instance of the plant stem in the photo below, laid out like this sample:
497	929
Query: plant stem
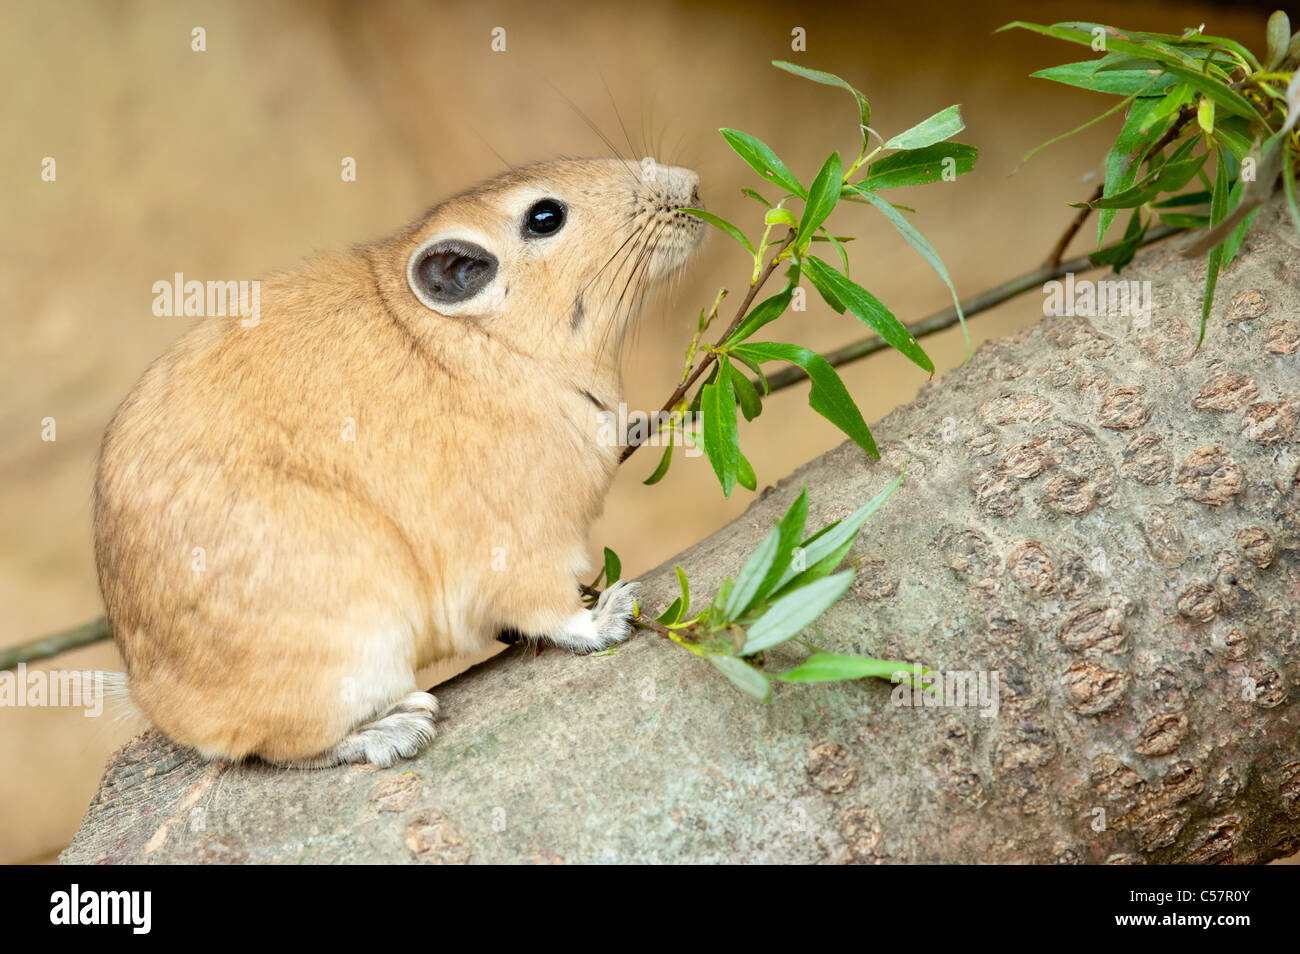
84	635
652	624
1058	250
710	357
942	320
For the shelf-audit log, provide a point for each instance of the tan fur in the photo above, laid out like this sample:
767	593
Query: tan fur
334	569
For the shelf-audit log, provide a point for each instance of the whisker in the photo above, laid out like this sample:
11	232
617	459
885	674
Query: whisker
611	258
509	166
633	256
600	307
619	116
676	152
609	143
654	101
633	288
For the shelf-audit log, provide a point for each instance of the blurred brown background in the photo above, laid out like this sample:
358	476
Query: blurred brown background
225	164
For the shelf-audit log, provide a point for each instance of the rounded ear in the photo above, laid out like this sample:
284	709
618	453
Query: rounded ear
448	271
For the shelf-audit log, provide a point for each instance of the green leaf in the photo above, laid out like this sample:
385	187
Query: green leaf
1183	220
1178	96
868	308
1223	95
828	396
743	675
664	463
751	405
1235	133
763	160
937	128
1171	177
613	567
1124	251
1233	243
830	79
1210	43
823	567
788	616
838	244
1218	211
719	222
791	530
833	667
752	574
763	313
680	607
1173	62
919	166
1205	115
745	475
1118	82
673	614
1244	200
1288	186
753	366
1279	38
781	216
685	590
721	439
822	196
755	196
699	394
1124	160
832	538
1183	199
769	561
1122	104
918	242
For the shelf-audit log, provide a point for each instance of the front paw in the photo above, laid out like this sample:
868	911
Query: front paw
614	612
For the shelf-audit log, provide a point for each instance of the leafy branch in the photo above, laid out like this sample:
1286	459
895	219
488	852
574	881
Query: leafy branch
1189	98
784	587
777	594
790	226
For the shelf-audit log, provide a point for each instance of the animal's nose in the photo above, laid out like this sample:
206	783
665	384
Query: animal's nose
683	182
677	183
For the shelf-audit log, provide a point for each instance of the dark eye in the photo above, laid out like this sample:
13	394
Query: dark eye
544	218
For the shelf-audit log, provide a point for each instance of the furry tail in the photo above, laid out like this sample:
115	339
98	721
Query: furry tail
118	698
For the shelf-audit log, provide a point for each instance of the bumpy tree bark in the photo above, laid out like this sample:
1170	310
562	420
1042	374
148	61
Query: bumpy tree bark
1100	513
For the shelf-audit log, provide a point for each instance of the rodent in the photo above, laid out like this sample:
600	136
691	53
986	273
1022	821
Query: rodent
472	352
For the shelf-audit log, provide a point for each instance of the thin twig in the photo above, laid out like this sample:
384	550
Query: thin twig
84	635
652	624
1058	250
942	320
711	356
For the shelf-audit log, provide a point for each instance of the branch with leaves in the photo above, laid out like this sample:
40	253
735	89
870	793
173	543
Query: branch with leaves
776	596
789	228
783	588
1245	111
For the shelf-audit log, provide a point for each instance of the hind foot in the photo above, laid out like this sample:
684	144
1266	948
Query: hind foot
400	733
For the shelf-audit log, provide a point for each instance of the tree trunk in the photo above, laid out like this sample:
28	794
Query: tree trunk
1094	510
